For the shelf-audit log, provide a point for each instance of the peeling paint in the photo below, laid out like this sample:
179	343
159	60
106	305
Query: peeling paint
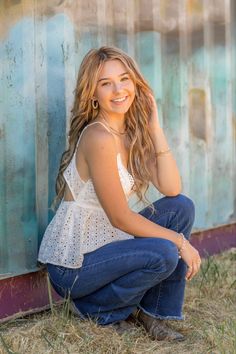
197	113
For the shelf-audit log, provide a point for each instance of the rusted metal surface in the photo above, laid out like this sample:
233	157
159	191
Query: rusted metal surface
24	294
186	50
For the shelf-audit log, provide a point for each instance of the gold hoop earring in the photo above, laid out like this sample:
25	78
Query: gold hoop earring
95	104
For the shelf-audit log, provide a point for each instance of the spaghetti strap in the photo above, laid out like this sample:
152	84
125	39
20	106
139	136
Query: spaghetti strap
102	124
87	127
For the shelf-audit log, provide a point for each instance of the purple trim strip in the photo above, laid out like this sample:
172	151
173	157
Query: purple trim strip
213	241
24	294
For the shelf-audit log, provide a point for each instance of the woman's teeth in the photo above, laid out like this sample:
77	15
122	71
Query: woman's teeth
120	99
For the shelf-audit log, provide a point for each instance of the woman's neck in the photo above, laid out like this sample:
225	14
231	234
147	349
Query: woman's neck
116	122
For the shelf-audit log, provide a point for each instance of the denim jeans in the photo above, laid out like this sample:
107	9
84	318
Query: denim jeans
144	272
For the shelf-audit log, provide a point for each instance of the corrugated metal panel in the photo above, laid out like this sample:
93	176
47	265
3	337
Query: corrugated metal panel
185	48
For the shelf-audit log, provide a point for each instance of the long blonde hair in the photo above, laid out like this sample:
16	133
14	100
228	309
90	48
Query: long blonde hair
136	118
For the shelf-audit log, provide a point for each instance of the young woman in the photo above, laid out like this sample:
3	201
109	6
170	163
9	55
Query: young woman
110	260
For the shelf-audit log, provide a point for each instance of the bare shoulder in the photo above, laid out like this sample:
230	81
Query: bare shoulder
97	138
101	158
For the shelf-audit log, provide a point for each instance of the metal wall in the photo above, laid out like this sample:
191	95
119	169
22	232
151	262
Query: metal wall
186	50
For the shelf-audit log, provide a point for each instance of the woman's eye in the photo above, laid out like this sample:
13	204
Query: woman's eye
124	78
106	83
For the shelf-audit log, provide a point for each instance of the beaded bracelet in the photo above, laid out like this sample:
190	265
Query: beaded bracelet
162	152
183	245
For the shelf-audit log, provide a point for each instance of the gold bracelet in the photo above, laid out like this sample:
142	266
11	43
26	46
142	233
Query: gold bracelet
162	152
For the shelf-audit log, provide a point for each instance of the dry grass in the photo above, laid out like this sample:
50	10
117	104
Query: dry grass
210	323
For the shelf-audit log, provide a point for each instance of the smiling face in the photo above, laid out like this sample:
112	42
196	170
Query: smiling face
115	89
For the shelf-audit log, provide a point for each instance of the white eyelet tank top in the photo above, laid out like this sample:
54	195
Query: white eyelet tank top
81	226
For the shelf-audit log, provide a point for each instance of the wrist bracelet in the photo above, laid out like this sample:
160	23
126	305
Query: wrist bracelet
183	244
162	152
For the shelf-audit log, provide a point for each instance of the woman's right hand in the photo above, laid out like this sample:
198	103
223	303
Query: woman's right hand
192	258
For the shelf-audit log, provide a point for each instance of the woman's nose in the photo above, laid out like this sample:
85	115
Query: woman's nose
117	86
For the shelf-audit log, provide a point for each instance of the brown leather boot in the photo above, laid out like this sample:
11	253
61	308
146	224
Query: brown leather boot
123	327
158	329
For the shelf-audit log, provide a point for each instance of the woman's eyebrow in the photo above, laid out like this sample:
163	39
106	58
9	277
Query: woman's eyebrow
107	78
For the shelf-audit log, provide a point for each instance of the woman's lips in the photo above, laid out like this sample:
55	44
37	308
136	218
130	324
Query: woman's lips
119	101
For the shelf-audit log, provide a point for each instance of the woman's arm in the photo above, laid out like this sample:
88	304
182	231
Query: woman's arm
101	155
163	168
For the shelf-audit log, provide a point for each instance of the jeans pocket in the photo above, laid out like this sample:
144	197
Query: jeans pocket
56	274
59	289
64	280
60	270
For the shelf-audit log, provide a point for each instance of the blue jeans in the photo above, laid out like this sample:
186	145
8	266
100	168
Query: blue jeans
122	276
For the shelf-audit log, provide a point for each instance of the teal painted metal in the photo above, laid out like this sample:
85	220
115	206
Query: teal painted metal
186	50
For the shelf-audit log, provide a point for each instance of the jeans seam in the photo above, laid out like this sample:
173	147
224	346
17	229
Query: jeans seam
166	211
159	296
177	226
158	212
85	267
174	213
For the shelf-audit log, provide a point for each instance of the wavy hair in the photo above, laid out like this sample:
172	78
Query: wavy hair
136	118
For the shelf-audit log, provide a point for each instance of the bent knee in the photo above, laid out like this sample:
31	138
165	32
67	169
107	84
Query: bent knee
166	253
185	204
170	256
